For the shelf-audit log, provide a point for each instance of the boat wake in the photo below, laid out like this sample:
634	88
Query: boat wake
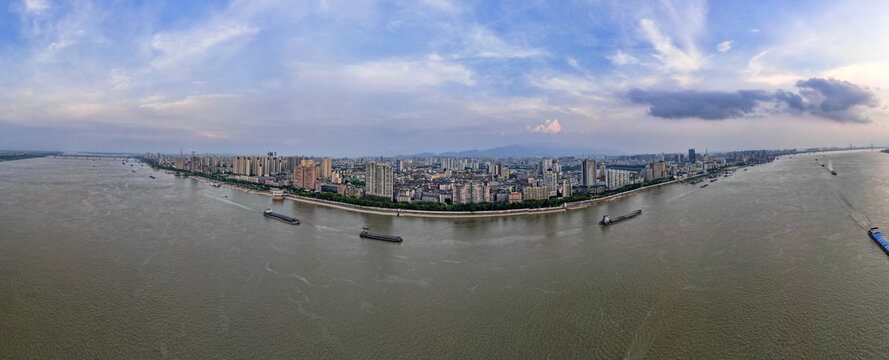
242	206
859	217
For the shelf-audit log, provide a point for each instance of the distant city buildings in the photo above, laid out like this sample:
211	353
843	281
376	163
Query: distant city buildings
459	180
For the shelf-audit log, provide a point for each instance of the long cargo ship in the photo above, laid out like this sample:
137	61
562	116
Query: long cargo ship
284	218
384	237
606	220
879	238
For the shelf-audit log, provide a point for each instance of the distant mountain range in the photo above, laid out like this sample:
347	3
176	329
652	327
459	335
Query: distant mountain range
527	150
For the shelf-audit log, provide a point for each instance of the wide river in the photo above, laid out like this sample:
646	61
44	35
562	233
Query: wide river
98	261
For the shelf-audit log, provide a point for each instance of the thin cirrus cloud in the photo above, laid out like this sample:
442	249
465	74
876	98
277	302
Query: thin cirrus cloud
832	99
622	58
486	44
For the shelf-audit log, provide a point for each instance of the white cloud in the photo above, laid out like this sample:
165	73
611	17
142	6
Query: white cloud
574	85
622	58
724	46
874	74
406	74
548	127
759	71
36	6
672	58
188	105
195	43
486	44
444	6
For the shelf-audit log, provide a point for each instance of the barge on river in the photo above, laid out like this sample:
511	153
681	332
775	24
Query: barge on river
879	238
384	237
606	220
281	217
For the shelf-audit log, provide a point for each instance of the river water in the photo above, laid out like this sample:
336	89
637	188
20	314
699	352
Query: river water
97	261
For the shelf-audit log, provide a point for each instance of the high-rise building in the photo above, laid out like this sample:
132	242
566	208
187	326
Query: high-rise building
616	179
326	168
691	155
657	169
545	165
566	189
449	163
470	193
534	193
304	176
379	180
550	181
588	173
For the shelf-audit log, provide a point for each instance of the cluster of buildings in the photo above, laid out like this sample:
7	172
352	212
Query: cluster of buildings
454	180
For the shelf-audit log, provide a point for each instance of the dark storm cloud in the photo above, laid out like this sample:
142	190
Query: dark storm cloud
707	105
837	100
832	99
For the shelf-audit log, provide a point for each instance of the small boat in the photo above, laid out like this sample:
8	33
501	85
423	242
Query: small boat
281	217
365	228
705	185
879	238
712	180
151	176
606	220
384	237
133	170
833	172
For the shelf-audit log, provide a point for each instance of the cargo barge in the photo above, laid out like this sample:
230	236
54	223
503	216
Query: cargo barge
606	220
879	238
284	218
384	237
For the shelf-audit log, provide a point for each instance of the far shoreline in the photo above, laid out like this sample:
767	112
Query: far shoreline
443	214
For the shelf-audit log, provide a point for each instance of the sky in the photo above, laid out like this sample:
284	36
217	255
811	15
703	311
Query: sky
346	78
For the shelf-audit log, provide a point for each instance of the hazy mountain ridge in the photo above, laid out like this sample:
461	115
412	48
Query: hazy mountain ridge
521	151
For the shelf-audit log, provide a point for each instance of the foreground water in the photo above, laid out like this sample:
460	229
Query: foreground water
97	261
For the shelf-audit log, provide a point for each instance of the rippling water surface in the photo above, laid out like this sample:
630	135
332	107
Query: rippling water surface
99	262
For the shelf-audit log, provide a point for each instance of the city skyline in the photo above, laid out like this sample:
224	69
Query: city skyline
389	78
